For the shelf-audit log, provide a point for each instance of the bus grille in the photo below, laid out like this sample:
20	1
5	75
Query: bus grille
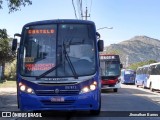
66	102
53	92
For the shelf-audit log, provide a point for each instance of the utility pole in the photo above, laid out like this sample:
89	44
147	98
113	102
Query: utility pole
86	14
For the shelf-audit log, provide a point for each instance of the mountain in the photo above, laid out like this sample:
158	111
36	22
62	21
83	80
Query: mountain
136	49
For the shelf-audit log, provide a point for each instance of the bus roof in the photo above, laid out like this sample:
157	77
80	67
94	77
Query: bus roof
145	66
127	70
155	63
59	21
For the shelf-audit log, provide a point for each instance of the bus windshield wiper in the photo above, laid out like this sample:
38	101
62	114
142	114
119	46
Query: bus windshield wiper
48	71
69	61
55	67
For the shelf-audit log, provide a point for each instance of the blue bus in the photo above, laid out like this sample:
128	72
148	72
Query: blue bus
142	75
58	66
128	76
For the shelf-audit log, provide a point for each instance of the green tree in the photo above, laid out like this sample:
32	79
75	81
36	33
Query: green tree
139	64
6	53
3	34
15	5
10	70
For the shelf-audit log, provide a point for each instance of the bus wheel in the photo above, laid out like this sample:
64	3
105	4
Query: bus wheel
150	87
115	90
144	87
95	112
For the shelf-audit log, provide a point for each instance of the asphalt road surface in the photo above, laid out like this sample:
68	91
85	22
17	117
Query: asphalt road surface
115	106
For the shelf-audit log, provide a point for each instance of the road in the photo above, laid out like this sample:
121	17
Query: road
128	98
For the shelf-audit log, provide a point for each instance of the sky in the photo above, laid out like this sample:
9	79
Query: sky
128	18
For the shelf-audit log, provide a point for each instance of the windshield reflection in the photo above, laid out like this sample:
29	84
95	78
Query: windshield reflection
45	50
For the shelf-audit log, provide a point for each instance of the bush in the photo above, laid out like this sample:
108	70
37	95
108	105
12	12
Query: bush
10	71
139	64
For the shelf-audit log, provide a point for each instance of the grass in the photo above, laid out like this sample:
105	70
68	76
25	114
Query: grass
8	84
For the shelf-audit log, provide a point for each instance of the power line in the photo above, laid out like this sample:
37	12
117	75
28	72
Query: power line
104	28
78	8
81	8
74	9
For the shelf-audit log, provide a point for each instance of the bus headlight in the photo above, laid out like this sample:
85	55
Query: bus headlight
85	90
29	90
25	88
92	87
89	88
22	87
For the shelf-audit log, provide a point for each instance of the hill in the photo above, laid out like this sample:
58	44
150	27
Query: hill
136	49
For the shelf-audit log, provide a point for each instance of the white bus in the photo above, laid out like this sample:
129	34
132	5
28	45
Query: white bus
153	83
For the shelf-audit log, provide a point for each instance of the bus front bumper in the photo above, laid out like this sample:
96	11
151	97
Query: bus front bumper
86	101
111	86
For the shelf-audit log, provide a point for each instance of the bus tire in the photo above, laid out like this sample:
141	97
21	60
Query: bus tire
95	112
150	87
144	87
115	90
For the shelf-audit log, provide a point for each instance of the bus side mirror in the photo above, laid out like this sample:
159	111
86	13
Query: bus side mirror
100	45
121	65
14	44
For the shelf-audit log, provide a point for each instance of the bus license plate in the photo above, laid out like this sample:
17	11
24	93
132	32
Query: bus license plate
105	86
57	99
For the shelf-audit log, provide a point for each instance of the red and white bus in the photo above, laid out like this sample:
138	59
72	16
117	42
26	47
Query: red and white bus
110	71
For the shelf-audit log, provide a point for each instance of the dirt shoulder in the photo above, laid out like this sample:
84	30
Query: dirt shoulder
8	90
8	87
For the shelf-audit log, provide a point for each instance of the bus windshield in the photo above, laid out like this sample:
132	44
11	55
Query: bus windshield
110	68
129	72
70	46
154	70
